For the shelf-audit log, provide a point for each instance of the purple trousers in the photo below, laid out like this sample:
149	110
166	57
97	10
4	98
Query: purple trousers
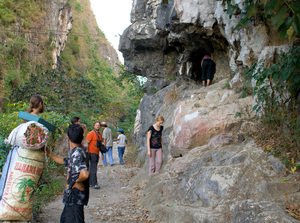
155	161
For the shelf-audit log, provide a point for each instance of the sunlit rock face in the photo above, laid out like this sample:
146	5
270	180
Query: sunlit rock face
167	40
166	43
59	18
212	171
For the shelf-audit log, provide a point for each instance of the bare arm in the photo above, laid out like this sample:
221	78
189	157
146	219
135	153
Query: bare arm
148	142
83	175
56	159
88	141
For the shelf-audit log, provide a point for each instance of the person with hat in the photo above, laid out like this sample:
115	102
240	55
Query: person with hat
108	142
122	142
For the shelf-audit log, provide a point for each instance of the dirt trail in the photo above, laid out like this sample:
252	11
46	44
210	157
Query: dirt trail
115	201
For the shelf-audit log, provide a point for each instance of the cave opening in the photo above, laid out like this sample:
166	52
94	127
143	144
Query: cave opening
196	58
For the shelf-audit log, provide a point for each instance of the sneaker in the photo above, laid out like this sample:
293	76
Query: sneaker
111	164
96	186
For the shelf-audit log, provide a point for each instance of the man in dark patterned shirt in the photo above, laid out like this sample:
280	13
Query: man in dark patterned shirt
76	193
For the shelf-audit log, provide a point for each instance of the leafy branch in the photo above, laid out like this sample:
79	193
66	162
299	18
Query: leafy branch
277	92
283	14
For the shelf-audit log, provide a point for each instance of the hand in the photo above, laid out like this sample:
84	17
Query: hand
149	153
48	152
79	186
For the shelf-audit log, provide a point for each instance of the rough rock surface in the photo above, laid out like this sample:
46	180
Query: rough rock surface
233	183
212	171
59	18
168	39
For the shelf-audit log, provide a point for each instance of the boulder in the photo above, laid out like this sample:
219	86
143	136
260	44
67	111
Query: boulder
232	183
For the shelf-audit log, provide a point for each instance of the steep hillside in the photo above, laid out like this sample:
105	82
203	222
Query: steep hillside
86	43
35	33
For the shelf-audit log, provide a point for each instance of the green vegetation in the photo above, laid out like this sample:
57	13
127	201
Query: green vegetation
85	83
284	15
278	85
277	94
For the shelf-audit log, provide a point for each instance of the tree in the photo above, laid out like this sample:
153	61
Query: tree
26	185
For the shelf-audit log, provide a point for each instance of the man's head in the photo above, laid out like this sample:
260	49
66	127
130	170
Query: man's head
97	125
75	120
36	102
121	131
103	125
75	133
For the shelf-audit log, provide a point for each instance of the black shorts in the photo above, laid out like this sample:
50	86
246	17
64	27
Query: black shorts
72	213
208	69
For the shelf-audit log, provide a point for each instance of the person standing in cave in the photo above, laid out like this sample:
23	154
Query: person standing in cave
155	145
208	70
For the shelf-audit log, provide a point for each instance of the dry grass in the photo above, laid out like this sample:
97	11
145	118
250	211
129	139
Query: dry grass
280	145
131	155
172	95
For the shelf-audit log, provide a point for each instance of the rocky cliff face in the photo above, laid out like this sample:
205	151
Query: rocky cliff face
59	18
212	172
28	49
38	44
168	39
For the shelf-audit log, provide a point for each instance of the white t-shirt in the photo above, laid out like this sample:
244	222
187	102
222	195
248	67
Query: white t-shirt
121	139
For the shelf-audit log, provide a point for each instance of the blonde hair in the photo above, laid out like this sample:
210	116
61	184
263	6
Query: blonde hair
159	118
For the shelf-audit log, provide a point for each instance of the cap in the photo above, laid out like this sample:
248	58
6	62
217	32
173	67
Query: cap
103	124
121	130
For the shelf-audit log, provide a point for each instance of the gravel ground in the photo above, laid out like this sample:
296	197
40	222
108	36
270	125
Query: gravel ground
115	201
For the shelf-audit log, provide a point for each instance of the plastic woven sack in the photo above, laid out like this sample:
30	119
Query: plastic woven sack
20	176
30	135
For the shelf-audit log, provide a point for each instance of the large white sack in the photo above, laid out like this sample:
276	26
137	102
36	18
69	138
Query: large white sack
20	177
17	136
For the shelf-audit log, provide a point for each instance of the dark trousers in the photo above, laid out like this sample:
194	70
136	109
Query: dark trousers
94	158
208	69
72	214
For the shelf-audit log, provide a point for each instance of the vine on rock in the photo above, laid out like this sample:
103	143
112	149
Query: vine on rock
277	93
284	14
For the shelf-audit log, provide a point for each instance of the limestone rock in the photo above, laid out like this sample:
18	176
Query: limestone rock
211	172
167	37
235	183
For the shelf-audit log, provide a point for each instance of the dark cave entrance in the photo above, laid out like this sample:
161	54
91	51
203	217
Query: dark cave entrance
196	58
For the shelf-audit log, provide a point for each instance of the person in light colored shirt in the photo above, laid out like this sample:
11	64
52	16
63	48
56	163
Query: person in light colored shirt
108	142
122	142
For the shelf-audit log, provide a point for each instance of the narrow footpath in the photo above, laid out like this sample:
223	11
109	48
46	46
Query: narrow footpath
115	201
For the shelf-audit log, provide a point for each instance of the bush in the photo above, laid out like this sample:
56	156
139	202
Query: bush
10	120
277	90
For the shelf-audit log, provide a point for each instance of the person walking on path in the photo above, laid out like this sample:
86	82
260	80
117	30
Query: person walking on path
91	140
122	142
108	142
76	193
208	70
155	145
